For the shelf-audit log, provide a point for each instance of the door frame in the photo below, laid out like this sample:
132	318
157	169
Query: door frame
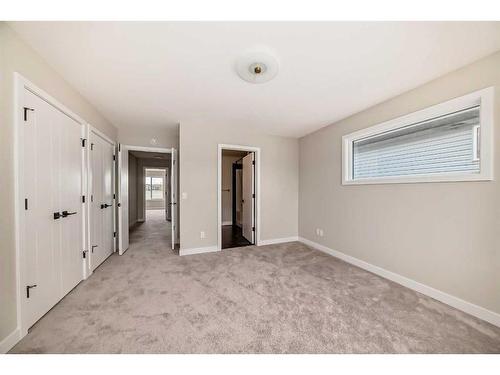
88	183
127	148
20	84
256	151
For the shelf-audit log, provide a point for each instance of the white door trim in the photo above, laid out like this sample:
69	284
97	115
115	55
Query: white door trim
256	150
21	83
127	148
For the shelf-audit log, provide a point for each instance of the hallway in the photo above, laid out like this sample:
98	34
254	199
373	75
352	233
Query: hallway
155	229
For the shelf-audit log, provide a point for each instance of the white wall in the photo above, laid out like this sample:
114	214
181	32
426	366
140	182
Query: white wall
16	56
141	135
198	178
444	235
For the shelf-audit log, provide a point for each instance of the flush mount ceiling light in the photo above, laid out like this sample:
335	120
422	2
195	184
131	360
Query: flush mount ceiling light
257	67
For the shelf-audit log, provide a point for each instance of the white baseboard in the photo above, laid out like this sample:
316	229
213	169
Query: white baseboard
278	240
227	223
8	343
198	250
460	304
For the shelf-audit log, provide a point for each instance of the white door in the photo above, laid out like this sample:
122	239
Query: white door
101	199
248	195
173	196
122	200
52	234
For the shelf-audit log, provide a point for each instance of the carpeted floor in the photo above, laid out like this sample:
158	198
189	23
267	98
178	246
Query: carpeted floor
284	298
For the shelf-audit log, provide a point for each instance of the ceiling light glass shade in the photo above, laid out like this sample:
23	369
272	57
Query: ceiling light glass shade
257	67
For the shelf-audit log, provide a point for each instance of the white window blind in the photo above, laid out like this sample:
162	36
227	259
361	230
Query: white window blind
444	144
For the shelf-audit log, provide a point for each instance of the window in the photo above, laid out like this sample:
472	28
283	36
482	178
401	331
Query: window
154	188
451	141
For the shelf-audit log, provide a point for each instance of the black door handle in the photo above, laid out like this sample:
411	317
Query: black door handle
66	213
105	205
57	215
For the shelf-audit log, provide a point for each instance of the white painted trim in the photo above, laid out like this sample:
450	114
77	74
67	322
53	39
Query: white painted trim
278	240
458	303
484	97
20	84
159	150
127	148
256	150
227	223
199	250
8	342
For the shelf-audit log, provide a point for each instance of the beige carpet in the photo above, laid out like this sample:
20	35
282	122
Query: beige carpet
273	299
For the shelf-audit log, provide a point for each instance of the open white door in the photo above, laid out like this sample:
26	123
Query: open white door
122	200
173	195
248	194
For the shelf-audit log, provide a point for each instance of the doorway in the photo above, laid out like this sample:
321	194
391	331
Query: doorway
147	195
238	196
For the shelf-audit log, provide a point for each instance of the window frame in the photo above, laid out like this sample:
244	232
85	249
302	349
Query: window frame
484	98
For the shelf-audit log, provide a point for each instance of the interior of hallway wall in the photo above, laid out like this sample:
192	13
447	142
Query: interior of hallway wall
227	188
142	135
16	56
132	190
198	179
444	235
156	204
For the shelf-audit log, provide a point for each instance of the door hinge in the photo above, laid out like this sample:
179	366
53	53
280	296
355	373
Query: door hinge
114	158
28	287
253	162
119	147
91	147
253	229
114	234
114	196
253	195
83	198
26	109
92	198
83	142
84	253
26	204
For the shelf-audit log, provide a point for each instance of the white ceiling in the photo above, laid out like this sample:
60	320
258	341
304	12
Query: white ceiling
164	73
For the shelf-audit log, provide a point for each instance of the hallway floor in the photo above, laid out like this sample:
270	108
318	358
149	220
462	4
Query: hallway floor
285	298
232	236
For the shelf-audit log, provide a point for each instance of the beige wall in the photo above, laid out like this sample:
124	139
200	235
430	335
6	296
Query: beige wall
132	190
16	56
198	178
445	235
141	136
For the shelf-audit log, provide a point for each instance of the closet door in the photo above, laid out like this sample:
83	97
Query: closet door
107	199
70	190
102	202
52	173
96	218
